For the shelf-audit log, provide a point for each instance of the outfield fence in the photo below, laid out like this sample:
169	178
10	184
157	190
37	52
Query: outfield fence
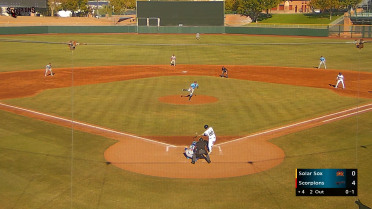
354	31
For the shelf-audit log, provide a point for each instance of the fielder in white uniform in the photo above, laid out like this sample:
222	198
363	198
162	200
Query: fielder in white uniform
48	69
322	62
340	79
211	137
173	60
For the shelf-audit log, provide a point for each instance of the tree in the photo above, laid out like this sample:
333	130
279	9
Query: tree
53	6
75	5
349	4
231	5
326	5
269	4
120	6
251	8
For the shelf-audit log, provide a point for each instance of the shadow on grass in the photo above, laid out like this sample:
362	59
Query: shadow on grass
264	16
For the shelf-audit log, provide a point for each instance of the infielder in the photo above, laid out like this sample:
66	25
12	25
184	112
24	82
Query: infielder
48	68
224	72
191	89
340	78
173	60
211	137
322	62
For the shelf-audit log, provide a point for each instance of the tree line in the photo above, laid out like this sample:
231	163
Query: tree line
254	8
251	8
81	6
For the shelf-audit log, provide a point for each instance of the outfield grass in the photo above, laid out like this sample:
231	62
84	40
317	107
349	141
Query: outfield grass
43	166
300	18
132	106
129	49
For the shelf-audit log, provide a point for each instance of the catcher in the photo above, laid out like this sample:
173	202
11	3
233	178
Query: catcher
189	152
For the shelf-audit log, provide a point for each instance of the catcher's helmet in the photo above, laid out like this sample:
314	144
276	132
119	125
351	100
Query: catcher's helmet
189	153
206	126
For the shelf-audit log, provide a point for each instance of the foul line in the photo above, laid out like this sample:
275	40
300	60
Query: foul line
86	125
342	116
306	121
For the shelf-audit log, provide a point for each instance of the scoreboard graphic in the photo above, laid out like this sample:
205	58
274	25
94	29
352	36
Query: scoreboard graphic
326	182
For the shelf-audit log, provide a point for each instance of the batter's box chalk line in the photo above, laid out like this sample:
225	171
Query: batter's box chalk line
219	149
167	148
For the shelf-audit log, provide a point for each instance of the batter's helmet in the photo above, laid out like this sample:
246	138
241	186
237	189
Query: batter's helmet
206	126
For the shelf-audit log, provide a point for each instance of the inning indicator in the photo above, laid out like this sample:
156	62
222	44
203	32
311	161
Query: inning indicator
326	182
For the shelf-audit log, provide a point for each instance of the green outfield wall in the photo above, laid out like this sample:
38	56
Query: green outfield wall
324	32
176	29
187	13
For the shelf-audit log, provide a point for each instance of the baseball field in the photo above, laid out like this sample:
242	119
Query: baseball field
108	130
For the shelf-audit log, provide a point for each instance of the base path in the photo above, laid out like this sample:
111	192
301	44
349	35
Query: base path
158	156
358	84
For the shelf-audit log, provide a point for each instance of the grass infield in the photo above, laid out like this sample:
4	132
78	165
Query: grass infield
132	106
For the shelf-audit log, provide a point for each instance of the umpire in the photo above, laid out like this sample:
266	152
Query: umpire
200	151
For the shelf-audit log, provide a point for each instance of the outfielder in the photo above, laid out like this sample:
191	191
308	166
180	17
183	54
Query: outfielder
72	45
191	90
197	36
48	68
173	60
322	62
340	79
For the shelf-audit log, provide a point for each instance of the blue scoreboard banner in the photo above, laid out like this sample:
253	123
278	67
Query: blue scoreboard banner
326	182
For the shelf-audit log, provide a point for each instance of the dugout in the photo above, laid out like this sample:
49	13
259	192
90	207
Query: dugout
180	13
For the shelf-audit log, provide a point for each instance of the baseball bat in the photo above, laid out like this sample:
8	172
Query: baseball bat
196	135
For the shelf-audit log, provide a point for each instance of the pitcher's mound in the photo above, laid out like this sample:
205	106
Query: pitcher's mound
198	99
